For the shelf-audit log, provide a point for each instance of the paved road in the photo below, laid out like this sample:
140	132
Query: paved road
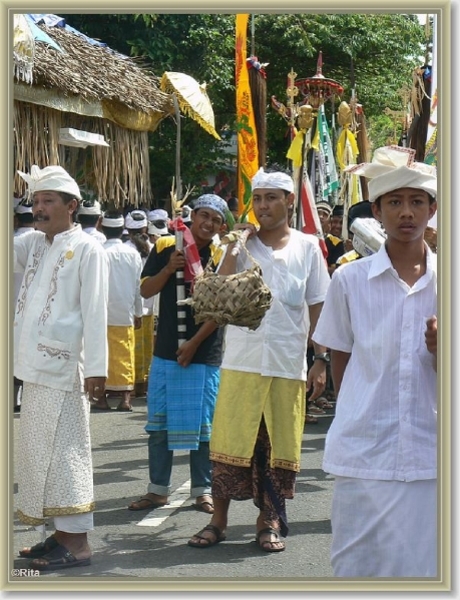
152	546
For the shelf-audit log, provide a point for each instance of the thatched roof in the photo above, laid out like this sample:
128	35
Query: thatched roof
96	73
91	88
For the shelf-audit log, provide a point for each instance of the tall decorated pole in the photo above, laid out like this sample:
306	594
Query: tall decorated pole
247	157
314	92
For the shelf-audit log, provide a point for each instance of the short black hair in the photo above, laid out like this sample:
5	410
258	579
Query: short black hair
25	218
88	220
112	233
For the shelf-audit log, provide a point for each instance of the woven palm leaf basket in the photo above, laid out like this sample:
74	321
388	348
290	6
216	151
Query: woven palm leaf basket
240	299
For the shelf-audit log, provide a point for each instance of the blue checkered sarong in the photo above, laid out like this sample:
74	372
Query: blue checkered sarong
181	401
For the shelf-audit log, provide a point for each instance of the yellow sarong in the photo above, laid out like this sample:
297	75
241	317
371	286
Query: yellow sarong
147	326
242	400
121	357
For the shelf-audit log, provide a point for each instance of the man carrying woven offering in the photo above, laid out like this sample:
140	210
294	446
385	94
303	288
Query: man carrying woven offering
184	378
260	411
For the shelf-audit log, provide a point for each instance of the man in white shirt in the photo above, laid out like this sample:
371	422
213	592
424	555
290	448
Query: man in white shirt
136	223
89	216
124	312
381	446
60	352
259	418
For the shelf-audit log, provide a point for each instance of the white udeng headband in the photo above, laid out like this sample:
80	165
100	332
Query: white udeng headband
278	180
116	222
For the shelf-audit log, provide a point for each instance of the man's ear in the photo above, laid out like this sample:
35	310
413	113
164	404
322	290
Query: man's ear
432	209
376	212
290	199
73	206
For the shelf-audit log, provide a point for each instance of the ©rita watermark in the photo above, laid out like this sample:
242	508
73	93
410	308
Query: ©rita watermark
25	573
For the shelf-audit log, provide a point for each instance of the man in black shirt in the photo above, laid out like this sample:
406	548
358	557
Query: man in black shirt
184	377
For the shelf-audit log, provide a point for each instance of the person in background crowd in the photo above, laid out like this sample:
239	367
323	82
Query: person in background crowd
158	224
89	216
137	224
124	313
186	214
60	352
334	243
233	207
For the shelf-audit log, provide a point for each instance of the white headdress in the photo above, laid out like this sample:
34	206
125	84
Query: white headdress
393	168
112	221
90	207
53	178
278	180
137	219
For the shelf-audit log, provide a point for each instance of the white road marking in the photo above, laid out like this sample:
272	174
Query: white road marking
177	498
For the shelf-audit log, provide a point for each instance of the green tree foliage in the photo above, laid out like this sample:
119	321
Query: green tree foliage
374	54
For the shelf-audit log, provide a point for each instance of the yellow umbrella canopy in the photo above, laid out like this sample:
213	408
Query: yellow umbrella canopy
192	98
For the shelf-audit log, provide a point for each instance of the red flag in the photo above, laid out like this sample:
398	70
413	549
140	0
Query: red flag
193	266
310	219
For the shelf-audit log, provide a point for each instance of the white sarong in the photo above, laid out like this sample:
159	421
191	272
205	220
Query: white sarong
384	528
54	463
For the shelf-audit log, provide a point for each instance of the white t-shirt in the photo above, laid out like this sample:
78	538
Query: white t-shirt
297	277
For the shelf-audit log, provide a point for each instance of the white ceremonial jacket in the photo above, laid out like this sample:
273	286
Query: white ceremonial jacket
60	322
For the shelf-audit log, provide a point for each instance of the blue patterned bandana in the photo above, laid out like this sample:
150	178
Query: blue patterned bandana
214	202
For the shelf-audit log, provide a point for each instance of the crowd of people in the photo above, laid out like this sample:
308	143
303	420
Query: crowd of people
96	320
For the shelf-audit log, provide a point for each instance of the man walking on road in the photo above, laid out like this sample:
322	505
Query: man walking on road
260	411
379	320
60	352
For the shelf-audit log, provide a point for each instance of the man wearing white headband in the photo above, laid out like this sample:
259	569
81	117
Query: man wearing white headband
264	372
158	221
60	352
124	313
89	216
379	320
137	225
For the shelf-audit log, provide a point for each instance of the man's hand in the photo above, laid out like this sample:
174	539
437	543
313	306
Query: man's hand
137	322
176	262
95	387
317	378
186	353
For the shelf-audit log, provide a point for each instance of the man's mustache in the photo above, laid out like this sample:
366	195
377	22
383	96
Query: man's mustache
40	218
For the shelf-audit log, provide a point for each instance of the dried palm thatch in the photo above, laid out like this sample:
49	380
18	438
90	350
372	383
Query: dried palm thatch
118	175
94	89
96	73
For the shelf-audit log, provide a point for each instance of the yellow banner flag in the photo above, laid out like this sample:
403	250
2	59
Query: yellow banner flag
248	163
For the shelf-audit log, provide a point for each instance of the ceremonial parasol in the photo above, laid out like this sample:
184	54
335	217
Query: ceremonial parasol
192	99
